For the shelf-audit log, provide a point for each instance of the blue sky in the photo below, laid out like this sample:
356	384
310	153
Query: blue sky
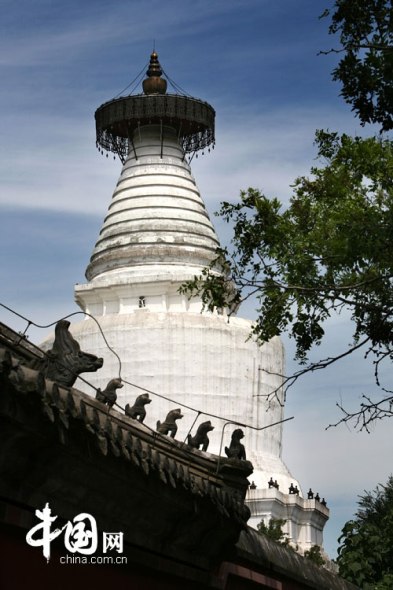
256	62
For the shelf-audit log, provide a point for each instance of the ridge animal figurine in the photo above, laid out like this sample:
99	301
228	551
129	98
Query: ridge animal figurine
236	448
169	425
201	437
66	361
109	395
137	411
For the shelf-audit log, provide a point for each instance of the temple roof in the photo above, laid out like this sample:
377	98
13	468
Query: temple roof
74	437
63	447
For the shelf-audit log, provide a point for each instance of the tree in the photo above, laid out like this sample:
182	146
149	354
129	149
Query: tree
274	531
365	29
314	554
365	555
330	250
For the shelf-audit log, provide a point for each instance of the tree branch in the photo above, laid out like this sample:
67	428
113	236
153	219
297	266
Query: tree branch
383	48
368	413
288	381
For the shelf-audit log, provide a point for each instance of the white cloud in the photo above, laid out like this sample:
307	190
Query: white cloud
266	151
55	164
24	44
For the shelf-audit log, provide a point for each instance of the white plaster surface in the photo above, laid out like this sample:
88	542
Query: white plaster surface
304	518
200	360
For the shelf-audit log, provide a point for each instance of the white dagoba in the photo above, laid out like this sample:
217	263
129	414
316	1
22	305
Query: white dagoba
157	235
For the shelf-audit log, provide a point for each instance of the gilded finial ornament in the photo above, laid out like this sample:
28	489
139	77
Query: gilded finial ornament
154	84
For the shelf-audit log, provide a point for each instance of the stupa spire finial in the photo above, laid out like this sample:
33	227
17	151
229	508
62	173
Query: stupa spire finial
154	84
